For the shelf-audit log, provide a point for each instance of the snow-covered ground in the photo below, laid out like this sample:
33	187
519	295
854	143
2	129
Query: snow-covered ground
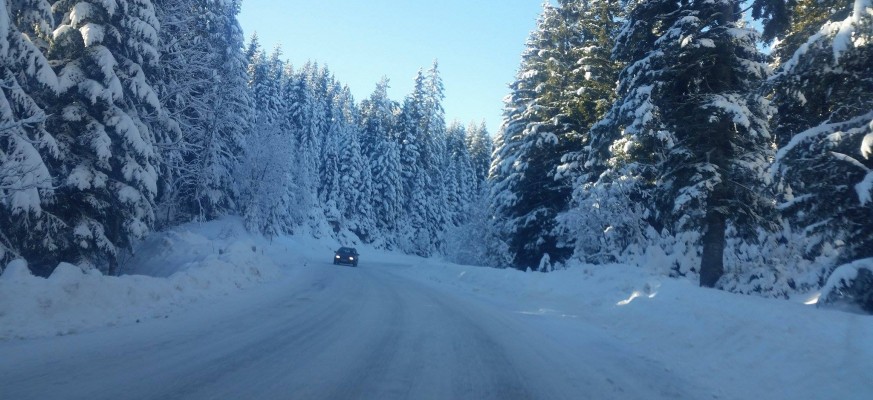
207	308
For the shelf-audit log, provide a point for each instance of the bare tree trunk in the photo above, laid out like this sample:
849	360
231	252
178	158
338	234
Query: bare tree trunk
712	261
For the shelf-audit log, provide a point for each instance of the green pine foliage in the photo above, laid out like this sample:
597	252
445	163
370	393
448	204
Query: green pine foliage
203	84
28	151
565	84
106	54
824	95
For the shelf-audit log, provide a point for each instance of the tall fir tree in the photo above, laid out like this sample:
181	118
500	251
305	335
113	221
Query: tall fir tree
377	118
355	180
824	97
542	122
381	151
459	178
271	189
230	116
434	157
414	175
479	145
106	53
694	144
204	87
27	150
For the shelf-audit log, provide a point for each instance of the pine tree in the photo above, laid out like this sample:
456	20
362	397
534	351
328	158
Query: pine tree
378	146
479	146
27	150
297	120
204	87
824	96
107	53
321	87
414	177
434	157
459	180
377	118
594	94
542	123
229	119
272	189
387	198
265	79
421	135
792	22
694	142
355	180
775	16
503	172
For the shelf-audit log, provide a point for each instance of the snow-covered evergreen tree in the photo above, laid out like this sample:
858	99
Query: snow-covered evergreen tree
541	124
275	197
377	118
355	180
27	150
106	53
204	87
381	151
459	181
824	96
479	146
296	120
414	177
694	141
318	83
421	136
593	94
265	79
502	172
434	156
791	22
387	193
271	198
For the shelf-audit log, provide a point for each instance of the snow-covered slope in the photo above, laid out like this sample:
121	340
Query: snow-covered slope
170	270
746	347
734	347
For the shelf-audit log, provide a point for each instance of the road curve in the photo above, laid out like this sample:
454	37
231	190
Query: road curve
330	332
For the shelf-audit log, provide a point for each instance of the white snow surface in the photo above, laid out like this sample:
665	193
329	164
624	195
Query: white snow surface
210	311
92	34
867	143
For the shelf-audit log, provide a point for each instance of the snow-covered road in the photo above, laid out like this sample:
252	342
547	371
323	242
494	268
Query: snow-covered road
328	332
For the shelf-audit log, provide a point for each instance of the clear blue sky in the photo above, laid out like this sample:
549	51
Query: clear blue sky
478	44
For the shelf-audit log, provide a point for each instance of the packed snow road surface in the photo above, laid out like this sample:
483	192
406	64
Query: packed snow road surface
329	332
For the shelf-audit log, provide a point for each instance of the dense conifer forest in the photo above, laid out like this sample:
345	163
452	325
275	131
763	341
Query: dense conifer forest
726	141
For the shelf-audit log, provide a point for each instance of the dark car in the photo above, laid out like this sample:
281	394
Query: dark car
346	255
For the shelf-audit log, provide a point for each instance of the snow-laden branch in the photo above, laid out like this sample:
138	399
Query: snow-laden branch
842	34
853	125
8	126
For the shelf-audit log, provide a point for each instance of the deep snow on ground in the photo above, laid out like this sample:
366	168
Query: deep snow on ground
735	347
